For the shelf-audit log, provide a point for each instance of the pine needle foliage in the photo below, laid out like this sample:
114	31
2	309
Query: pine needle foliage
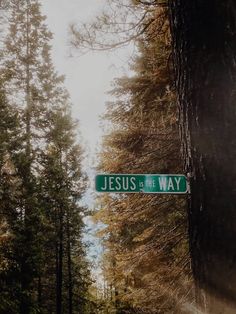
146	261
43	267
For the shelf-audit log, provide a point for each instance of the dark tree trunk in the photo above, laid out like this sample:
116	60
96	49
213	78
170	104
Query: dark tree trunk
204	42
25	305
69	267
40	294
59	265
27	265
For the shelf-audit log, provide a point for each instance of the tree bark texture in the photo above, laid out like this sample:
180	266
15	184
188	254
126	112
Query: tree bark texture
204	49
59	266
69	267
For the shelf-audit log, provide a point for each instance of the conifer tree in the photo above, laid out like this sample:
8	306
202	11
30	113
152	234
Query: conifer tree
62	186
23	69
10	193
49	272
147	260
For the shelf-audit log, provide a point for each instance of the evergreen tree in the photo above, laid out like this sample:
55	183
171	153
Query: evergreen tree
10	192
45	266
63	184
147	262
24	66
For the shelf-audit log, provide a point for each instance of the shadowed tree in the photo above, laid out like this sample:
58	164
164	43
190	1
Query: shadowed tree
204	36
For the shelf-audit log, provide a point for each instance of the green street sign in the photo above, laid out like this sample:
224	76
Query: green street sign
141	183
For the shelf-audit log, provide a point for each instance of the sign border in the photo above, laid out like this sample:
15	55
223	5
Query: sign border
144	174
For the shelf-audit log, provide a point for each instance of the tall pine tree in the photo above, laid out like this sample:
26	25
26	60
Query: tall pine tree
46	267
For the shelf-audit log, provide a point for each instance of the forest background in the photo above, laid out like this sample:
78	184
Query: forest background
145	263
